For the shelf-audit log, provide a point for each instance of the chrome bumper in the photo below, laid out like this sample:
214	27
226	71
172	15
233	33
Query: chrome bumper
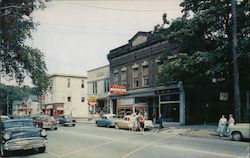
25	143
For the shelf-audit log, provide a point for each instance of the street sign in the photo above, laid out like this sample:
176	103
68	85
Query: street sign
224	96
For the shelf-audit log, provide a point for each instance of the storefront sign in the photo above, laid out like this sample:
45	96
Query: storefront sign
224	96
92	99
118	90
127	101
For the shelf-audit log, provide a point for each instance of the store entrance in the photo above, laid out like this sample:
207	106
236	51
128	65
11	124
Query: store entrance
170	112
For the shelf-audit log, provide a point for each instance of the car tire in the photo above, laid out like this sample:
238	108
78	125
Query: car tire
73	125
41	149
3	152
55	128
236	136
116	126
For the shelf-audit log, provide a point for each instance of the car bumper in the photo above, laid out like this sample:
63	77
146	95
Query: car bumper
49	126
25	143
69	123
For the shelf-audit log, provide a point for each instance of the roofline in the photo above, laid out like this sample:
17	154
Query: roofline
98	68
67	75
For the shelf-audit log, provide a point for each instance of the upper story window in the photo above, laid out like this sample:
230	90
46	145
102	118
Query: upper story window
159	65
135	77
116	81
94	84
145	75
69	99
82	85
124	78
69	82
106	86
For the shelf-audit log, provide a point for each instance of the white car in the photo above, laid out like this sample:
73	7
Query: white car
4	117
240	131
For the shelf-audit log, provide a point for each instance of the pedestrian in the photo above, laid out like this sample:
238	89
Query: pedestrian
222	125
137	121
160	121
230	122
142	123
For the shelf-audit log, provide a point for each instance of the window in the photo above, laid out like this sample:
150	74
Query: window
94	87
159	67
69	99
124	78
116	79
68	83
82	85
83	99
106	86
145	75
135	77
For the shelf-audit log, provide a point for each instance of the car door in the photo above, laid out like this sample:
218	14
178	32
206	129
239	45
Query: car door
124	122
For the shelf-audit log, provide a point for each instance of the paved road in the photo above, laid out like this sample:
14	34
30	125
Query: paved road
89	141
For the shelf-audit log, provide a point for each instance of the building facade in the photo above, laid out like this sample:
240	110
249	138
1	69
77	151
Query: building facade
98	88
136	65
67	95
26	106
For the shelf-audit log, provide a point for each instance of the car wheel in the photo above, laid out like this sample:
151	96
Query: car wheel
3	152
236	136
73	125
55	128
41	149
116	126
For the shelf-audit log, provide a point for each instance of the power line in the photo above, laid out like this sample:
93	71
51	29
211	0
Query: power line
119	9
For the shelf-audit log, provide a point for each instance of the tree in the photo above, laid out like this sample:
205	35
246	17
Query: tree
18	60
205	40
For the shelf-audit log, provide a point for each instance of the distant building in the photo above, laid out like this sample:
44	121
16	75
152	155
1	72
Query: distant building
67	95
26	106
98	88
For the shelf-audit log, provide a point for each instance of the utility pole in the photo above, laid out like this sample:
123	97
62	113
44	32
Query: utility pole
237	105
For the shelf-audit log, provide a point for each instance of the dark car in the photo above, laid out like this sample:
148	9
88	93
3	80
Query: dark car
45	122
20	134
66	120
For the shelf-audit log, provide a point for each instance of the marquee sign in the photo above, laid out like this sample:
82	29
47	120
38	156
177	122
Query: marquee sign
118	90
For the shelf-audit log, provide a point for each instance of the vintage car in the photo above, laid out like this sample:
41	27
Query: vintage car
45	122
106	120
4	117
66	120
126	121
240	131
20	134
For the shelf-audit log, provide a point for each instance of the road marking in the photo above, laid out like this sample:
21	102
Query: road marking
245	154
144	146
195	150
84	149
53	154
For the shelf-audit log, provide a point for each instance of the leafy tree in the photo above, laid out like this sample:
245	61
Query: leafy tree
205	41
18	60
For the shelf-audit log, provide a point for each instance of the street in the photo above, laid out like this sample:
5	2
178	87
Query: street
89	141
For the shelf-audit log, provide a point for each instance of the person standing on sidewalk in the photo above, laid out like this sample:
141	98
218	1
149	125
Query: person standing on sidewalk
230	123
142	123
222	125
160	121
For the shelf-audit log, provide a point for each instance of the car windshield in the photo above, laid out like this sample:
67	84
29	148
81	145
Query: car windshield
13	124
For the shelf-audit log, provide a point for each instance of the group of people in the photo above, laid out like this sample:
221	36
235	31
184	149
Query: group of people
224	124
137	122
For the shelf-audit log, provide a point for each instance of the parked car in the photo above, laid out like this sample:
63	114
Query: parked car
124	123
45	122
20	134
66	120
240	131
106	120
4	117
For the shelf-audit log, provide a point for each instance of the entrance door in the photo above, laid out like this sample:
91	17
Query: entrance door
170	112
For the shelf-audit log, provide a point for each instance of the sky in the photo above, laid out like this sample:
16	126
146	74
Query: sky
76	36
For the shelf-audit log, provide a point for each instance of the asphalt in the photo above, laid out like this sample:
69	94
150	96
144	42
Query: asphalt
196	130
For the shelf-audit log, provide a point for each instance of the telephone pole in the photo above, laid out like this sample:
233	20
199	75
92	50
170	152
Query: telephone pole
237	105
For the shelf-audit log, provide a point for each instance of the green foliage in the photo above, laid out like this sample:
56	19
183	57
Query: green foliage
205	44
17	59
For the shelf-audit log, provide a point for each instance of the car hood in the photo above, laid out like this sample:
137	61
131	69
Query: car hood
23	132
